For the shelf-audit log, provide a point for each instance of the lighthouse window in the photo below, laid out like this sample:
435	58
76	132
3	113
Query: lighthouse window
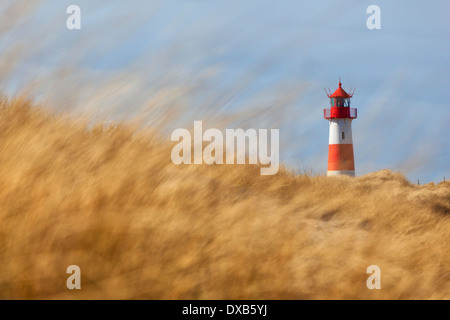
343	135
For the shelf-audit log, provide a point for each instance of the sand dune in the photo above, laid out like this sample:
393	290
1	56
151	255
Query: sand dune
109	199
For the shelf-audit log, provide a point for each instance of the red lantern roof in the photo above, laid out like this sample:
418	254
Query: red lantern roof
340	93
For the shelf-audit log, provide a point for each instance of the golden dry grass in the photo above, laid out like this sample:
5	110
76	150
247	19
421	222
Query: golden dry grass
109	200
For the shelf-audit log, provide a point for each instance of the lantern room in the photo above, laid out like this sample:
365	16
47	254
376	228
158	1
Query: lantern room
340	104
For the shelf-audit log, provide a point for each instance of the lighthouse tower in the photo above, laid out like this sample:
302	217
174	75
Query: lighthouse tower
340	148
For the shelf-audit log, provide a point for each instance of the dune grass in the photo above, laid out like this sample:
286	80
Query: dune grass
109	199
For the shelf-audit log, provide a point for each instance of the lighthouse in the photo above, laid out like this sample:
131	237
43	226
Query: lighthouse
340	147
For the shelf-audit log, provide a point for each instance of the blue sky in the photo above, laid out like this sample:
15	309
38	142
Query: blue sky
266	60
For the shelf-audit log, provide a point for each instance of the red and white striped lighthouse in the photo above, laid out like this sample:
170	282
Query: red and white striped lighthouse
340	148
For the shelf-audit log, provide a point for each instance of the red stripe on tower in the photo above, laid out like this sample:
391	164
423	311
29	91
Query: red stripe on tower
340	149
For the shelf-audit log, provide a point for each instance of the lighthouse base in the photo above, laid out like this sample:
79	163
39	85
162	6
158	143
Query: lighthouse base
341	172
